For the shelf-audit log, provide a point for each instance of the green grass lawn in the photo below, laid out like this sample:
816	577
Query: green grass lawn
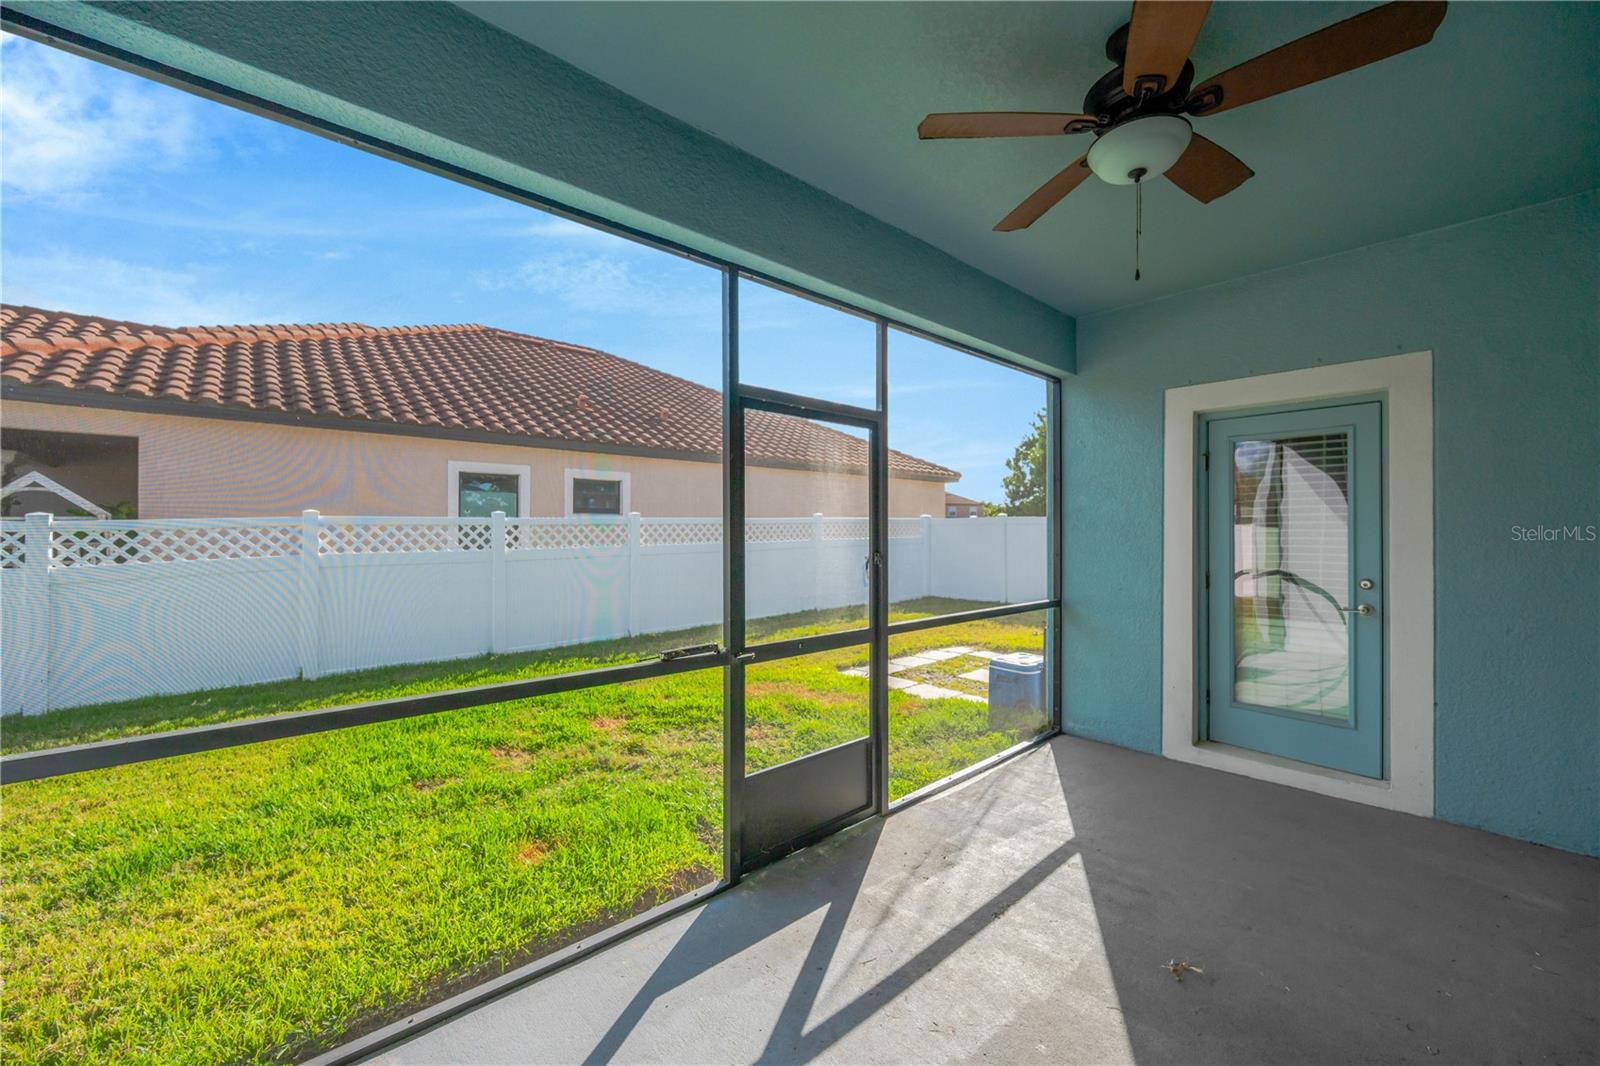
259	903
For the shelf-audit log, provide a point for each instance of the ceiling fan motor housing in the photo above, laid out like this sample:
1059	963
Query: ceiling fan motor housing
1107	100
1139	148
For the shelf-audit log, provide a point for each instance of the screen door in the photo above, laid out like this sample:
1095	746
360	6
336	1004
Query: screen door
806	639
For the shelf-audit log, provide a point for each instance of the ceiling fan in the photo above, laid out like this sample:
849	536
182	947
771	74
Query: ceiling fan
1139	111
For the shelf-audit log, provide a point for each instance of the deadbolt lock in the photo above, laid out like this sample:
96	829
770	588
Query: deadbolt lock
1366	584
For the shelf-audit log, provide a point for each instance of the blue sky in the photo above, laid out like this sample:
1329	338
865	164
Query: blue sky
123	198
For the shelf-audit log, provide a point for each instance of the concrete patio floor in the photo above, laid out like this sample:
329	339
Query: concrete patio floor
1028	916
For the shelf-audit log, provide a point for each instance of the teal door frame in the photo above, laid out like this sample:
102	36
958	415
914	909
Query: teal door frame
1355	742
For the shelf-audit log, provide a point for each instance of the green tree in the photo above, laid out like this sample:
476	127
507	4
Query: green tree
1025	475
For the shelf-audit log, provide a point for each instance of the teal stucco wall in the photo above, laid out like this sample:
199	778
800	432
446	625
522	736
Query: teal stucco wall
434	80
1510	307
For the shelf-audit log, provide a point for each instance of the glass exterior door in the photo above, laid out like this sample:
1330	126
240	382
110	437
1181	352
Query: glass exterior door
1294	585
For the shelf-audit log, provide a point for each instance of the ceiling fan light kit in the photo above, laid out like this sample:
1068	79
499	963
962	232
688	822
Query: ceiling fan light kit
1137	110
1148	145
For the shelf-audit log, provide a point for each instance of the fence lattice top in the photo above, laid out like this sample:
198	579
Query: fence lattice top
556	534
83	542
400	535
659	532
13	545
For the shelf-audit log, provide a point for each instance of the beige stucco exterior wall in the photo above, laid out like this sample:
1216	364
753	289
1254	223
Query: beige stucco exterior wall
219	468
771	492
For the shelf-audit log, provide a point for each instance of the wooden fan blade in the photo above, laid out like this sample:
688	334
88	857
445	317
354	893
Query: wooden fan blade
1206	170
1046	196
1368	37
1160	38
1000	124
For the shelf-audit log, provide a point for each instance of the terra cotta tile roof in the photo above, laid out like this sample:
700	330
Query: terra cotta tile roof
458	378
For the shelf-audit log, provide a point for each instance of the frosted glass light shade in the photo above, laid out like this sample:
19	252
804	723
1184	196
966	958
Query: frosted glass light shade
1153	142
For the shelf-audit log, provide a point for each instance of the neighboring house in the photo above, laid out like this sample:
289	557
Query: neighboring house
222	421
34	483
961	507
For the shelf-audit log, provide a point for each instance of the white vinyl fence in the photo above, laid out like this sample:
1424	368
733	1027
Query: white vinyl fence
94	611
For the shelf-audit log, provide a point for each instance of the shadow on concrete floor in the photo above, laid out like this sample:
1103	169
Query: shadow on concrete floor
723	929
1027	916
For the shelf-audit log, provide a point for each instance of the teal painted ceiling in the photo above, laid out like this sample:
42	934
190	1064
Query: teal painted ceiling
1500	111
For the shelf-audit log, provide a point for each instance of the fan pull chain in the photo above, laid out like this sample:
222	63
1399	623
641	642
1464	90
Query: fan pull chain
1138	216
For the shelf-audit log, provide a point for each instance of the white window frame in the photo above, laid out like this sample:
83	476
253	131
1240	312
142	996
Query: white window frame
573	474
1406	381
455	468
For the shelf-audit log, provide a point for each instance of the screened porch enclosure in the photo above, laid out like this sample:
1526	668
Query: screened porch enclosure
496	671
661	533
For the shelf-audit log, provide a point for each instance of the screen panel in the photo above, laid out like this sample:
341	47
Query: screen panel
961	693
263	901
806	526
410	437
967	493
805	704
801	345
359	366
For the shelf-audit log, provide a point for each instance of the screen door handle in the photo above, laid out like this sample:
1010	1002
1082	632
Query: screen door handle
1365	610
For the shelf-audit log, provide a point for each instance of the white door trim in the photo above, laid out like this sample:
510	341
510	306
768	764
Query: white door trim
1407	384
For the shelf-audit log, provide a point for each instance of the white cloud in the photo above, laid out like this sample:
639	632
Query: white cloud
113	288
605	284
66	123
